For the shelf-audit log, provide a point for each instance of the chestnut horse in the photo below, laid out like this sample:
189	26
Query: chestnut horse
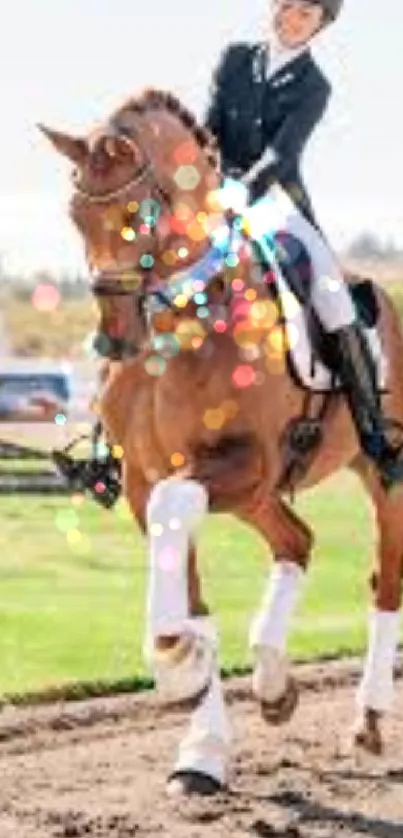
198	396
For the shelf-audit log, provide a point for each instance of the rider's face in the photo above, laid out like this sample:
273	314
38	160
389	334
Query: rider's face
296	21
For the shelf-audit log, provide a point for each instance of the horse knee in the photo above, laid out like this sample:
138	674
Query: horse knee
176	504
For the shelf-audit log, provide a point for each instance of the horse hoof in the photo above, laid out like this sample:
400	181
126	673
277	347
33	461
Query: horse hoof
369	741
280	711
367	735
186	783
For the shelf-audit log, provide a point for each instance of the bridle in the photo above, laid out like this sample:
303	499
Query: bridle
110	282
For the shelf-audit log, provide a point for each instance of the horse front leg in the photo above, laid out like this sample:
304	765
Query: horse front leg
179	652
202	762
290	541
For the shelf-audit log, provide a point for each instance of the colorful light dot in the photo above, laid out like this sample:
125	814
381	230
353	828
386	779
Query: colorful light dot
45	297
195	231
181	300
187	177
250	294
232	260
155	365
168	558
237	284
203	312
230	408
147	260
166	344
177	459
73	537
277	342
183	212
214	419
200	299
220	326
185	153
156	530
117	452
243	376
264	313
169	258
183	252
128	234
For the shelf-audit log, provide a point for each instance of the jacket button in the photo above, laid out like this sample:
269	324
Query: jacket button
258	120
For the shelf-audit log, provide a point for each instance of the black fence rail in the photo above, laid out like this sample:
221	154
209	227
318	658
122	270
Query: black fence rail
24	480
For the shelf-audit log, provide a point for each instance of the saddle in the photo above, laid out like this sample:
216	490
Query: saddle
310	355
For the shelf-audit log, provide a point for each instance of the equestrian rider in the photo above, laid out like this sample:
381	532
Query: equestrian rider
265	102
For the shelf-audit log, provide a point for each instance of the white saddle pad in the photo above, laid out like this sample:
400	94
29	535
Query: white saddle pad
311	372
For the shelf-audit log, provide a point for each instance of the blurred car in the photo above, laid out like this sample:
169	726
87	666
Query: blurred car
34	396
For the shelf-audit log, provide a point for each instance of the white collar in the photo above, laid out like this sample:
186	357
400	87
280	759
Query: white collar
279	56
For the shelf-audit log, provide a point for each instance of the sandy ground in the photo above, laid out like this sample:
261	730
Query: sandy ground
98	768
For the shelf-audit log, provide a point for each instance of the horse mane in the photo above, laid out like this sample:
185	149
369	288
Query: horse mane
155	99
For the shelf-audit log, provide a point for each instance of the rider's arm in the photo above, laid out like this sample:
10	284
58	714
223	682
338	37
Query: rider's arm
228	64
280	161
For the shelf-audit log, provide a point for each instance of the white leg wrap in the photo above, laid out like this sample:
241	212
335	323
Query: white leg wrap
271	625
174	509
206	745
269	630
376	689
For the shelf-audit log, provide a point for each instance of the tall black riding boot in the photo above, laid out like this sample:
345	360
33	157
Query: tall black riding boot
356	368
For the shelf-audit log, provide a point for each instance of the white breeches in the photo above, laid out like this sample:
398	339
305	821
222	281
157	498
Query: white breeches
331	298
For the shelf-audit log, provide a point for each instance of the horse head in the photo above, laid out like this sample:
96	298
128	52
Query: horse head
143	201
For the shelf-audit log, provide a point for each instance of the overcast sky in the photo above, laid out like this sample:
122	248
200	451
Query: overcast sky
69	64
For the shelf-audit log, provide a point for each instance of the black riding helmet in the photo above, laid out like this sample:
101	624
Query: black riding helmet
331	8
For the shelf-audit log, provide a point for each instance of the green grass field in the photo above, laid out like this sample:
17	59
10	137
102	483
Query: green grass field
73	579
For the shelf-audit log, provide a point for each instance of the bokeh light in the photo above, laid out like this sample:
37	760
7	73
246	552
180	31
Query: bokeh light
45	297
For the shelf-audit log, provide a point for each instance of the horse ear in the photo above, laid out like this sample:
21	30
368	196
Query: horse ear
75	148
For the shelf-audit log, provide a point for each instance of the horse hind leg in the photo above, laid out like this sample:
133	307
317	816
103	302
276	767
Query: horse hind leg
291	542
376	690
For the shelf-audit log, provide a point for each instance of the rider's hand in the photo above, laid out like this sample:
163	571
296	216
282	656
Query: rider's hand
233	195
